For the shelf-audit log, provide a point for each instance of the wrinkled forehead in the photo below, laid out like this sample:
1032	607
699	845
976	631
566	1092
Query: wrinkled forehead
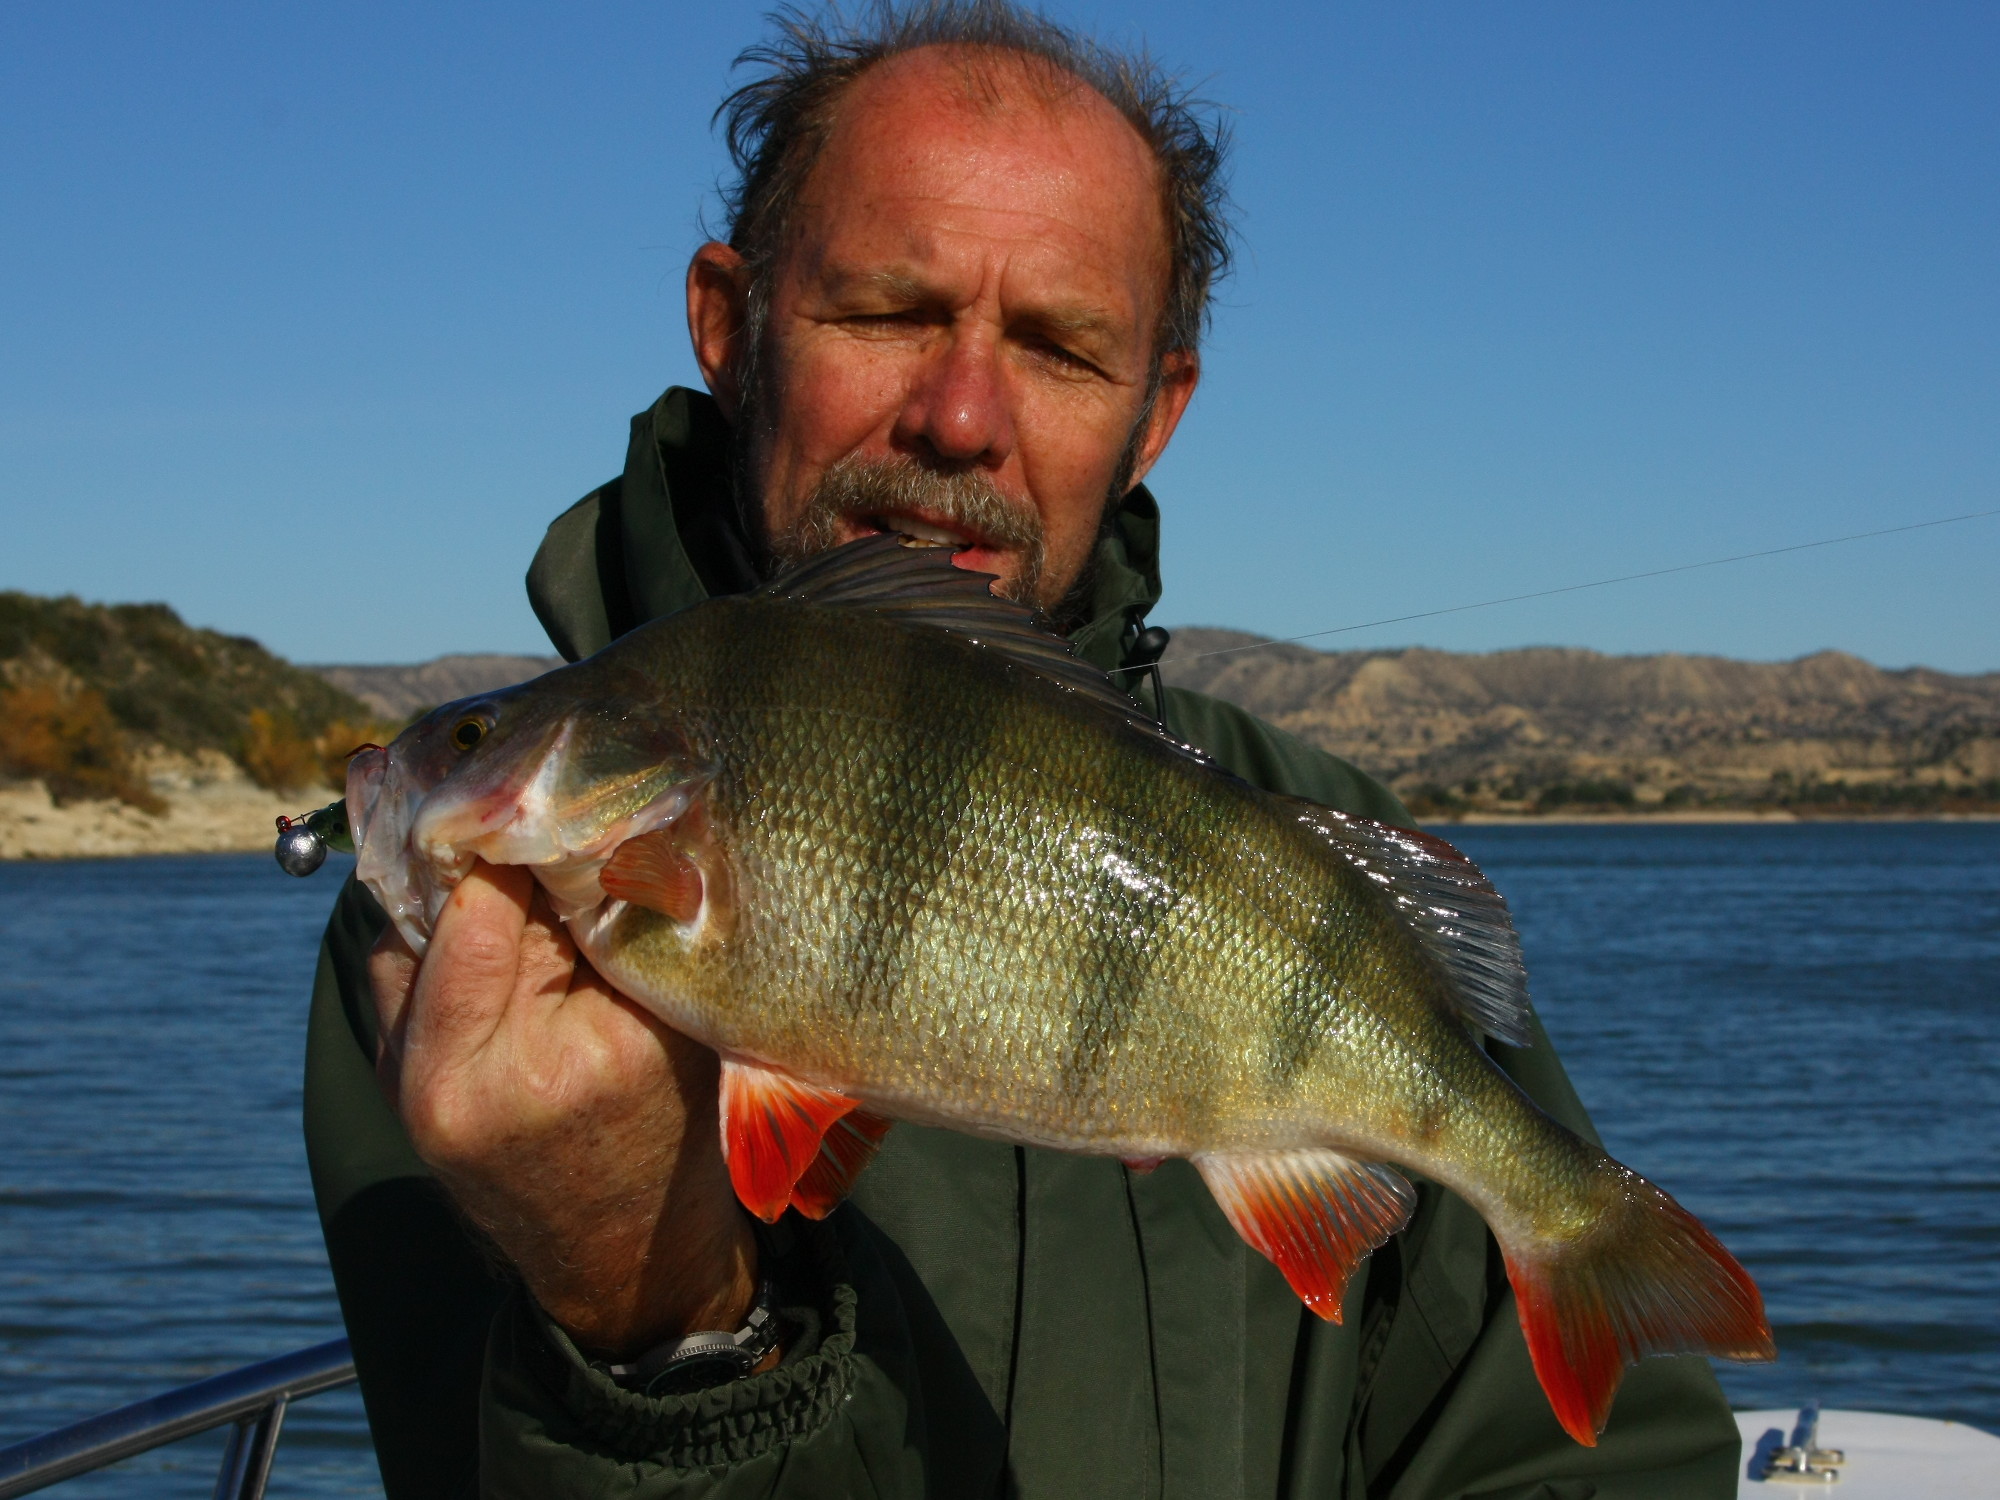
987	132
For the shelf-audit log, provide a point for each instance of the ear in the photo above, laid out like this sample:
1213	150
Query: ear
1180	373
718	301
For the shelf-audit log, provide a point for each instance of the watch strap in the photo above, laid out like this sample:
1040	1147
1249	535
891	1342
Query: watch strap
706	1358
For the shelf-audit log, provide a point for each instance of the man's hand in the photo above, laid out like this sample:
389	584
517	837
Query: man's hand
571	1126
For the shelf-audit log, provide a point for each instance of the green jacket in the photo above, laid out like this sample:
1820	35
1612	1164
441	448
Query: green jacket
980	1319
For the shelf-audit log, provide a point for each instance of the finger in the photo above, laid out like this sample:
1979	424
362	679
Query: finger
549	961
392	969
468	977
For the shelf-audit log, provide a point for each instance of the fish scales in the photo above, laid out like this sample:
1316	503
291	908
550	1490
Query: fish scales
896	857
924	854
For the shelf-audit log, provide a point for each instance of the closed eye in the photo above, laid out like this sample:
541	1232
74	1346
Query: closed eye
899	318
1063	357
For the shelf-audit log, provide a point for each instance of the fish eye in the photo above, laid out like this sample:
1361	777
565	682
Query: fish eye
469	731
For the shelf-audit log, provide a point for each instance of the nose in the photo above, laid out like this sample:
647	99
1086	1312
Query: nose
957	409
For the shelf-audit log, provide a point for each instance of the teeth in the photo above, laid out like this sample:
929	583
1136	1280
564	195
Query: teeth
922	532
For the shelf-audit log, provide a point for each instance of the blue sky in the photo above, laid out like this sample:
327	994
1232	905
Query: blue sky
311	317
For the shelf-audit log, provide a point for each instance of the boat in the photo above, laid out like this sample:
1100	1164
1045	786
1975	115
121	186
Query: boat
1858	1455
1864	1455
251	1400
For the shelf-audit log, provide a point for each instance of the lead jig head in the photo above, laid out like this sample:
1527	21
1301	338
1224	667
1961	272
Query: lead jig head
303	842
299	850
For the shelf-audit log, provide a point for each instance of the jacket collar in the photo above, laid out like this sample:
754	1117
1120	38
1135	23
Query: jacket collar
667	535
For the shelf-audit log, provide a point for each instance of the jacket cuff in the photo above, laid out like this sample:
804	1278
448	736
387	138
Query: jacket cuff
723	1425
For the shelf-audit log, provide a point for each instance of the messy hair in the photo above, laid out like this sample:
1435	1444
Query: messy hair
776	124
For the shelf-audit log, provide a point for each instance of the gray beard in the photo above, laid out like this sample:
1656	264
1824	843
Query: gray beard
861	487
863	490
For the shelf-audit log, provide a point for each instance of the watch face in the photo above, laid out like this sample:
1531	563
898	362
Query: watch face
697	1372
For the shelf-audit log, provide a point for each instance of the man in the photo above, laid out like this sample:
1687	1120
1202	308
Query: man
967	268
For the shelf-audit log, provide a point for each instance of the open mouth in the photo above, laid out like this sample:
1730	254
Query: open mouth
921	533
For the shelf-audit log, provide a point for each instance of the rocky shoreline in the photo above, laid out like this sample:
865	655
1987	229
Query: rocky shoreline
212	808
219	813
1538	736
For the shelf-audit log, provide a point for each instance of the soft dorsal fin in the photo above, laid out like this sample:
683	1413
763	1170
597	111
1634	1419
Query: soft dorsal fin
921	586
1459	918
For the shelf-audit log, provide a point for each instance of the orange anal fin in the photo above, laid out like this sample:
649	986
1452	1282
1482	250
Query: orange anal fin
772	1126
1142	1164
850	1144
651	871
1314	1214
1649	1279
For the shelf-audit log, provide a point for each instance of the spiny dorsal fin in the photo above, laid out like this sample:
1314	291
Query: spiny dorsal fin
1459	918
921	586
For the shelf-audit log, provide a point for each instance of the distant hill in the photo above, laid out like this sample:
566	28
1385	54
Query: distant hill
124	729
401	692
1550	728
92	694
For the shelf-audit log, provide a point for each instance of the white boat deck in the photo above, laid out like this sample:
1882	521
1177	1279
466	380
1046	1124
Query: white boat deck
1887	1457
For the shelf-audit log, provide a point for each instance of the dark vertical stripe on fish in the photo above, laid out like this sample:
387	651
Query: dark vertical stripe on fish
1126	907
1306	1007
919	793
1310	1000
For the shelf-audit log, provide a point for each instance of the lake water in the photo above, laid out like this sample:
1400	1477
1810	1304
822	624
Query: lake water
1796	1029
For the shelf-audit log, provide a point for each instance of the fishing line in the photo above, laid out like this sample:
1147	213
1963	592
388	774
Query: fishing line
1571	588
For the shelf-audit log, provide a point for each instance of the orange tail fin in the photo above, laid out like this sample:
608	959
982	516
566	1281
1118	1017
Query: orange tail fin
1648	1279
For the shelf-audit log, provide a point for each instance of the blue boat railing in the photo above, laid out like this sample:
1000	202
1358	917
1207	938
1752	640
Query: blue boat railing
254	1398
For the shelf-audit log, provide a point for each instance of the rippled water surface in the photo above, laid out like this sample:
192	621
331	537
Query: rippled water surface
1796	1029
156	1222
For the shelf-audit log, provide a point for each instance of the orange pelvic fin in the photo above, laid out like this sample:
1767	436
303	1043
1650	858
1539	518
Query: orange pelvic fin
650	871
772	1126
850	1144
1648	1280
1314	1214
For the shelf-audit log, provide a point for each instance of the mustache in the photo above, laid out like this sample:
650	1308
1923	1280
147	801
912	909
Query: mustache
860	489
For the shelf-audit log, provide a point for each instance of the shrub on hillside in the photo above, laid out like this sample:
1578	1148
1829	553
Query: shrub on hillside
276	755
67	738
161	681
1586	794
281	756
1431	800
341	739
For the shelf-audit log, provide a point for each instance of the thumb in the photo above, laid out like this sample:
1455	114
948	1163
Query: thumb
470	970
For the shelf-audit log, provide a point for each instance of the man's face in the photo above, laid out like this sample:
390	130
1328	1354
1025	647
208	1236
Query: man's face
960	336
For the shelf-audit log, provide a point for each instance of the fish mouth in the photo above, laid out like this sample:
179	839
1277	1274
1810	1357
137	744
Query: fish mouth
417	835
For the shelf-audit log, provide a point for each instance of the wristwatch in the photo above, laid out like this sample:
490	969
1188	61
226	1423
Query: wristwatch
702	1359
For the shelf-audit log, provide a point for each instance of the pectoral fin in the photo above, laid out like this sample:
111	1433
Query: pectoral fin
850	1144
772	1129
649	871
1314	1214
